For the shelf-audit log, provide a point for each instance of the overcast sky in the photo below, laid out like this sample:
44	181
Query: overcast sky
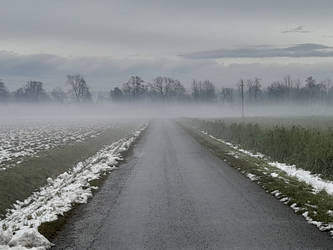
107	41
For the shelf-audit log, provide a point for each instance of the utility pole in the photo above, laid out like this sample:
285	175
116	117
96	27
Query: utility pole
242	95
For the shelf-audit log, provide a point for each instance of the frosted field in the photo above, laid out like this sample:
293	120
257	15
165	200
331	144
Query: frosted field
21	141
46	167
20	226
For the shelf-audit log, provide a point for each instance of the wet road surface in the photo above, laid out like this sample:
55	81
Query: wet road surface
172	193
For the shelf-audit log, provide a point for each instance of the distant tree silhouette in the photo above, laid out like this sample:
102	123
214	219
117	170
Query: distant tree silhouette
58	95
116	94
32	91
4	93
79	88
134	88
203	91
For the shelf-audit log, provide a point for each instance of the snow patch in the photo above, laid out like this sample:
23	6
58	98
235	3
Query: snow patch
30	238
330	212
295	207
306	176
233	154
310	205
285	200
257	155
252	177
322	226
274	175
276	193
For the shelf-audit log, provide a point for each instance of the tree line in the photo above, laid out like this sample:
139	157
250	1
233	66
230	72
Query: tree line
34	92
166	89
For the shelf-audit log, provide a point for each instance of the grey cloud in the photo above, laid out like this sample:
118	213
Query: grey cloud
84	27
100	72
103	73
298	29
299	50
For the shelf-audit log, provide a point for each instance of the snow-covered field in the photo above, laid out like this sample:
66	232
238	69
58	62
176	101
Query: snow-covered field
19	229
18	141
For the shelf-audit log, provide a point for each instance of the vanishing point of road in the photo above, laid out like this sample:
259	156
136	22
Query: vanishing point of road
173	193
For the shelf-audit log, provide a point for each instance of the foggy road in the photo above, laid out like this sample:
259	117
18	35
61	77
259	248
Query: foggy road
173	193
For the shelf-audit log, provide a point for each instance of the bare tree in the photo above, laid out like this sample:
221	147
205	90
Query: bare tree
208	91
195	90
311	89
116	94
32	91
58	95
166	88
179	89
203	91
134	88
253	88
157	87
227	95
79	87
241	91
4	93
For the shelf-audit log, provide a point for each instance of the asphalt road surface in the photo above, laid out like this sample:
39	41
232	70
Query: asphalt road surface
174	194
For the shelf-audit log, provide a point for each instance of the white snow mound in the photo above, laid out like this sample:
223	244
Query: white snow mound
313	180
29	238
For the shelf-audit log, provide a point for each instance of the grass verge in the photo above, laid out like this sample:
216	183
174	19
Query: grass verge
311	148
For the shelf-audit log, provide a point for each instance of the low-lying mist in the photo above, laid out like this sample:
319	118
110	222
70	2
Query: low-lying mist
18	113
